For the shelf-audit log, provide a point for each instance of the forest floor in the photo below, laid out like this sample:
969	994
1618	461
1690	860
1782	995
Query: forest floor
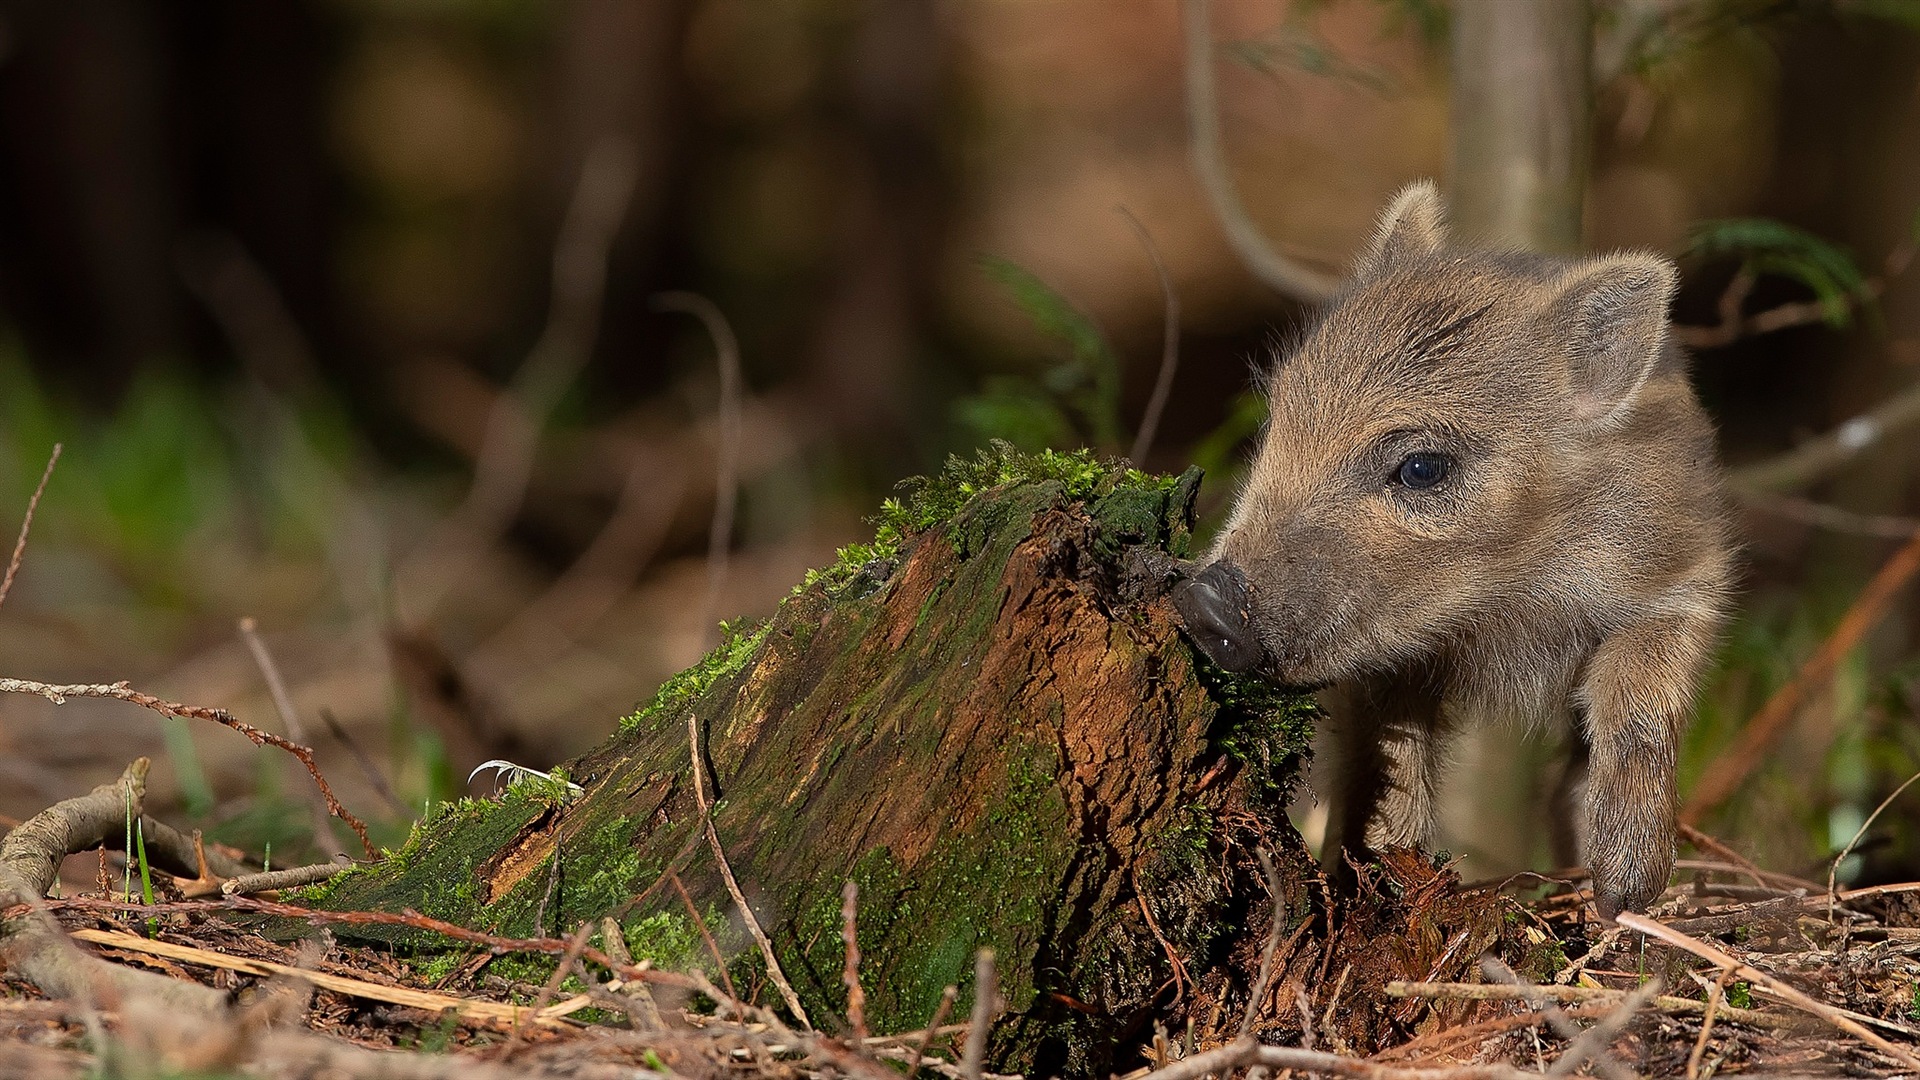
1737	970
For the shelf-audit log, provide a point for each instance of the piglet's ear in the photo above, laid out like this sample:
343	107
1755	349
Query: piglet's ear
1612	314
1414	223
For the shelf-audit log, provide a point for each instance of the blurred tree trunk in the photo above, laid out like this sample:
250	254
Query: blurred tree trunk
1522	100
1522	97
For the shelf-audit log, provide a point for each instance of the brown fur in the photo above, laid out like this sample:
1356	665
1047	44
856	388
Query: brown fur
1574	564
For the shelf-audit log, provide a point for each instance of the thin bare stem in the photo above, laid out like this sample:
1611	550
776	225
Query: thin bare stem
850	975
1603	1063
26	524
747	916
1245	1051
1595	1039
1831	518
375	778
1715	994
1833	871
727	472
940	1011
323	839
1169	345
1280	273
1259	992
986	989
58	693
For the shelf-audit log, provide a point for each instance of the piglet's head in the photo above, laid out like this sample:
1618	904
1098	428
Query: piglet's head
1427	435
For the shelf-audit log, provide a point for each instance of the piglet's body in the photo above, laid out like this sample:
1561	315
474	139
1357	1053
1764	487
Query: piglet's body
1486	493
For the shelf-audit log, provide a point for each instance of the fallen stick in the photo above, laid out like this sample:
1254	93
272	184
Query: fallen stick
1791	995
1576	995
1244	1052
489	1012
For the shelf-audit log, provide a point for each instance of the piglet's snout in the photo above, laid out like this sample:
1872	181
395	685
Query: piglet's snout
1216	606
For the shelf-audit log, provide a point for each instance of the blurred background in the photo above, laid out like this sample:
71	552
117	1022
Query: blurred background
341	310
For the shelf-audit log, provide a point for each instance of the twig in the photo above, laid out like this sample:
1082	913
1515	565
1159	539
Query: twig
489	1011
1245	1051
1832	518
1604	1063
551	988
26	524
1169	346
504	465
706	935
58	693
1180	977
940	1012
291	878
849	933
1535	995
733	887
1782	990
1732	767
323	839
727	473
985	990
1706	842
1594	1041
1834	870
1280	273
1267	955
1817	457
1715	994
375	778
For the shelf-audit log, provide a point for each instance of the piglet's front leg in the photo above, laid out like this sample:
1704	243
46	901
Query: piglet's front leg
1638	696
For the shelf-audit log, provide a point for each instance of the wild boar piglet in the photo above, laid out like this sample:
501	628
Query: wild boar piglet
1486	492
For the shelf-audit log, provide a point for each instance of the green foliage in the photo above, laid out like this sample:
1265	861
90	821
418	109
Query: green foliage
1765	246
1740	995
1084	385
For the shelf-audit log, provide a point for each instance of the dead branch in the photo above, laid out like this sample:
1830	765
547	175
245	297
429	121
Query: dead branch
323	839
1831	518
1816	458
32	944
1245	1052
291	878
1731	768
1169	345
733	887
1574	995
1783	991
504	465
58	693
727	474
26	525
1278	272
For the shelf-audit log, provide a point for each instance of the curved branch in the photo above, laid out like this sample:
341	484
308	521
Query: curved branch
1280	273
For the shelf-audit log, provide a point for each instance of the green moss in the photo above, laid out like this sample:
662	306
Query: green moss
1264	726
1740	995
739	643
1913	1003
932	501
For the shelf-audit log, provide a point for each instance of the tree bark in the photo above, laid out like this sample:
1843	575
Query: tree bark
988	721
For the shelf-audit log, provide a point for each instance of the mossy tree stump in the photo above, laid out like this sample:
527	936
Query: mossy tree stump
987	719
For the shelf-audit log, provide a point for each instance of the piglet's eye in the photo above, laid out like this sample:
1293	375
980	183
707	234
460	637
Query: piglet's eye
1421	471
